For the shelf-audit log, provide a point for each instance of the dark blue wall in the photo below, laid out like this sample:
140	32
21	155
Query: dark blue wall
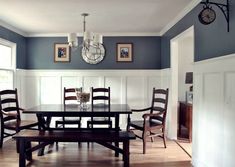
21	45
210	41
146	54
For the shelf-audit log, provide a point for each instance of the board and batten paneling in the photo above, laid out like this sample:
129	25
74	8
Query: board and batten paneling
213	112
127	86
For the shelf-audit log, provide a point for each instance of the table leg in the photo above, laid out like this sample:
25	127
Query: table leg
29	152
126	153
22	153
43	125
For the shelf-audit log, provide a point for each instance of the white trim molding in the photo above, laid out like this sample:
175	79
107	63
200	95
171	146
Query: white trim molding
185	11
12	28
105	34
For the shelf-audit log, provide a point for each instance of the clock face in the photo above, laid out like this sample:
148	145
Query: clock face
93	55
207	16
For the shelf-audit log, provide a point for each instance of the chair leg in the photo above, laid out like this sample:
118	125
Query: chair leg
56	125
164	138
1	137
88	126
152	138
144	142
79	126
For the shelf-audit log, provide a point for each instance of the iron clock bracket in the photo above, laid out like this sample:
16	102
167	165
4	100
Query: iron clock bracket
223	7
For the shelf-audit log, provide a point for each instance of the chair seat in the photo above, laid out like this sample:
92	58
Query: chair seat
22	124
140	124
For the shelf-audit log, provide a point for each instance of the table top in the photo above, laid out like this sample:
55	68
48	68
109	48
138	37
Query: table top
76	110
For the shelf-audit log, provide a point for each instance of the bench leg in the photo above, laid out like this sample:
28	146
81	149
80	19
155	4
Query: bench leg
116	152
126	153
21	153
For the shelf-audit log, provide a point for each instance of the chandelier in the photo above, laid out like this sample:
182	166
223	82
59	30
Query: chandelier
92	48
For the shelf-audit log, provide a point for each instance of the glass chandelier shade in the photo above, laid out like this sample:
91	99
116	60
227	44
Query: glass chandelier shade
73	40
93	50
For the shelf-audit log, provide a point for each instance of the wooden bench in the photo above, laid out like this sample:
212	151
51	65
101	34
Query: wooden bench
102	137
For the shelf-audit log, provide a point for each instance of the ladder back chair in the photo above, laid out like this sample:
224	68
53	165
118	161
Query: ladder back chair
153	122
10	116
100	95
69	97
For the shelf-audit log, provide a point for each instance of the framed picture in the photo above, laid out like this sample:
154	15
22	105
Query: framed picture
124	52
61	52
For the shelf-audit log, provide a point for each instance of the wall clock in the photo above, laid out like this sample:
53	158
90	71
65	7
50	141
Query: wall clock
207	15
93	55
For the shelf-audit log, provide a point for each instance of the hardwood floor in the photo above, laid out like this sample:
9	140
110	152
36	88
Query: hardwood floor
68	154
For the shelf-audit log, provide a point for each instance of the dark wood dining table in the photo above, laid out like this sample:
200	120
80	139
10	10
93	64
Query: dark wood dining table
46	111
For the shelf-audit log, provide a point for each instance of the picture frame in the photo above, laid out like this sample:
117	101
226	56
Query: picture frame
61	52
124	52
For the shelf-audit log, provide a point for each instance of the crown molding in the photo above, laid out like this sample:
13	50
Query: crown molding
104	34
185	11
12	28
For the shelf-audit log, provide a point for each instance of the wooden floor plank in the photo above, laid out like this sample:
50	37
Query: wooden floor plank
69	154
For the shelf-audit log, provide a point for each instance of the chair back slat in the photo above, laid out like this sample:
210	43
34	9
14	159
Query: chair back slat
8	100
9	118
70	90
160	109
70	94
70	98
159	100
101	89
8	92
9	109
160	91
100	98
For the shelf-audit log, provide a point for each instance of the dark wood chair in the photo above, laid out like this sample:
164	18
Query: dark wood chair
10	115
153	122
100	95
69	96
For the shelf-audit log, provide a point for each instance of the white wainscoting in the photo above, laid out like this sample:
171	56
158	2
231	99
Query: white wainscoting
214	112
127	86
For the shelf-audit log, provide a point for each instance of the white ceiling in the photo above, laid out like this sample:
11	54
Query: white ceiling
35	17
